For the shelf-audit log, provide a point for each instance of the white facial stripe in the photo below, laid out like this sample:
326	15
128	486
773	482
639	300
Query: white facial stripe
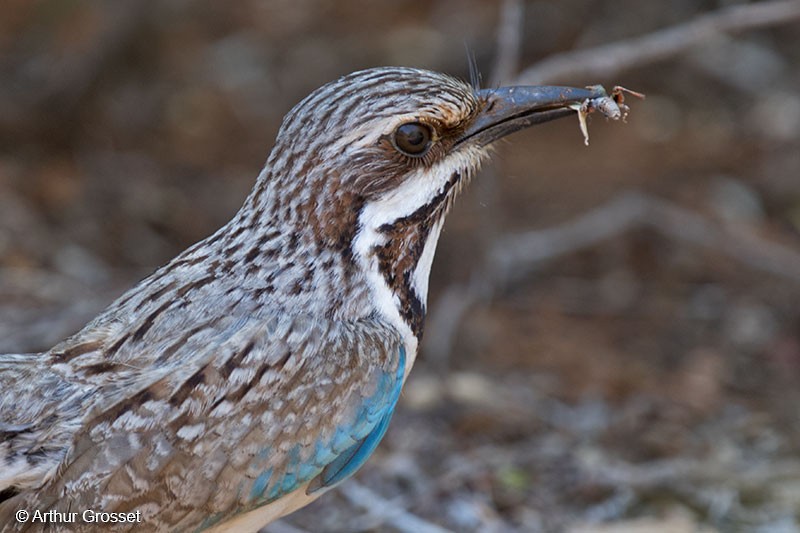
422	273
416	191
419	189
386	302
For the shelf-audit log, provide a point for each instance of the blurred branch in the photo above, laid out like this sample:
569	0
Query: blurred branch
509	40
718	486
388	512
609	59
514	256
635	209
519	254
737	474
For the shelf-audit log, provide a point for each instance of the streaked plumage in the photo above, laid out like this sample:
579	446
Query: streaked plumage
262	365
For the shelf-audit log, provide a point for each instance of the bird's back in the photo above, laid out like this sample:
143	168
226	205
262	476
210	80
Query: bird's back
223	415
39	412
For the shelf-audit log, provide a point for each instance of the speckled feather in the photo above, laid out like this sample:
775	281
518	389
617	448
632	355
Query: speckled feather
241	369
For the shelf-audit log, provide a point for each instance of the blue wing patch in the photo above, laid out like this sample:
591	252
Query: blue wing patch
346	464
376	416
337	458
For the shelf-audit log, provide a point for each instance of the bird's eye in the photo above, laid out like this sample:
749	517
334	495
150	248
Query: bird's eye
413	138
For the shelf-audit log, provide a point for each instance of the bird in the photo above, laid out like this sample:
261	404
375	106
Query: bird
261	366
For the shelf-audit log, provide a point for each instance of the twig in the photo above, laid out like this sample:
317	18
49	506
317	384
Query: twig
513	256
717	486
738	474
509	39
632	209
388	512
608	60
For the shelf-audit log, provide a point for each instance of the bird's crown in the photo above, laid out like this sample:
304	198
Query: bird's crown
367	166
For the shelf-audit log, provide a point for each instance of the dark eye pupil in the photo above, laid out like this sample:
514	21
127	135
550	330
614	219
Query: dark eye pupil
413	138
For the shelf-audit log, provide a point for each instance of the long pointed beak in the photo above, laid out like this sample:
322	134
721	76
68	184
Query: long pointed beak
510	109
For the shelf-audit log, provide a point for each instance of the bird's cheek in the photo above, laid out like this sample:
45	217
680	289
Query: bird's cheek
375	179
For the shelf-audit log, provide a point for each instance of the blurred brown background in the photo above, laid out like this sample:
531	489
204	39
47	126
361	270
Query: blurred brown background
648	380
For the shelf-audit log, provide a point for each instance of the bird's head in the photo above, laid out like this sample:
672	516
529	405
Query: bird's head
369	164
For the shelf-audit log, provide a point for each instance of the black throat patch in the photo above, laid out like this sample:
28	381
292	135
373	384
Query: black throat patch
405	242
